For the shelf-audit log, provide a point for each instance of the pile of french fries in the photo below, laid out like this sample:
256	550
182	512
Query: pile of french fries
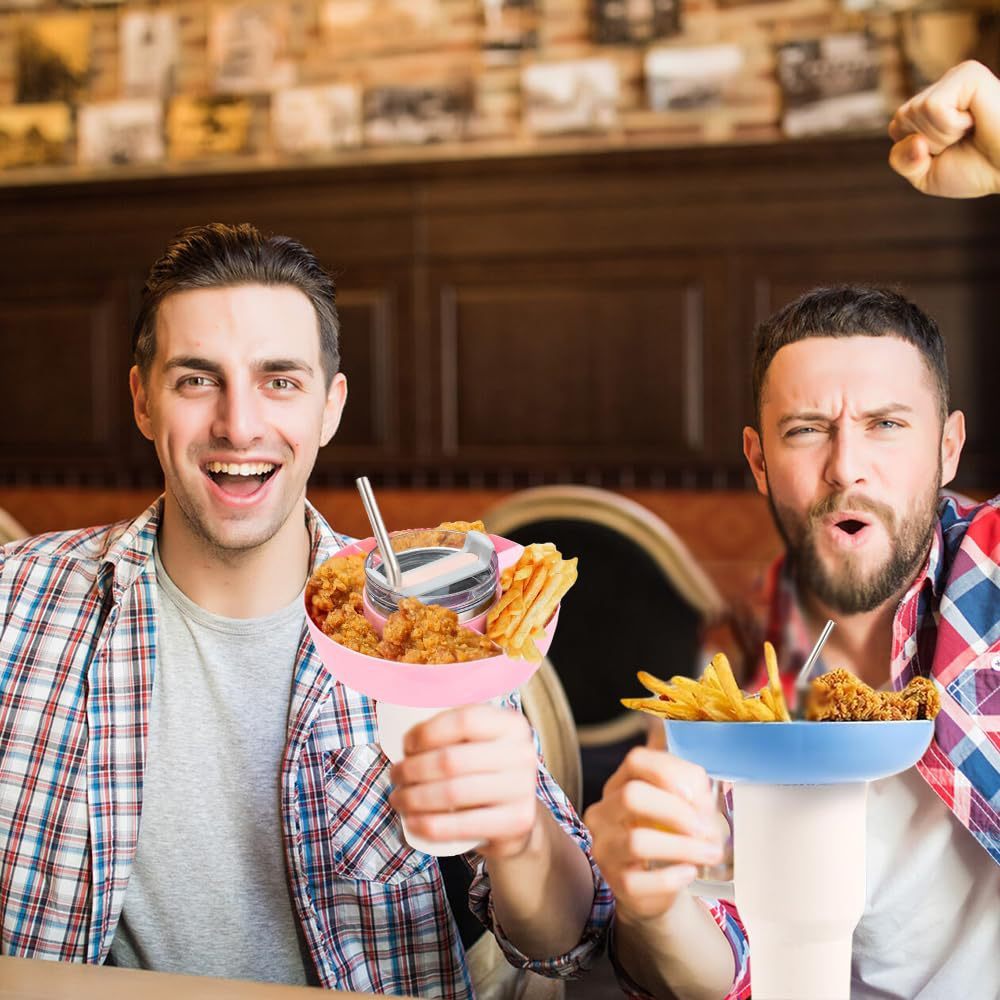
530	591
715	697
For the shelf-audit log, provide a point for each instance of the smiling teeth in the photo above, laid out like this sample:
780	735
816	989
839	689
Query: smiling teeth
244	469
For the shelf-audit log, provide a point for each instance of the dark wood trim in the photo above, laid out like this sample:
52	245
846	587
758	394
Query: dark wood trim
699	243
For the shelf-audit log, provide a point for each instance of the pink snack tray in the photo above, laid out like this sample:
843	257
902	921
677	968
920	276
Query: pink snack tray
419	685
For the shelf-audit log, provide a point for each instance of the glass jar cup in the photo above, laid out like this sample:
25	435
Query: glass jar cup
470	597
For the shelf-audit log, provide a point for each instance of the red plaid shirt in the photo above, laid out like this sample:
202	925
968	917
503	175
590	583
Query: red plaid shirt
947	628
77	655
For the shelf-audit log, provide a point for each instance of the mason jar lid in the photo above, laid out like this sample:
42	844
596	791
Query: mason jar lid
467	597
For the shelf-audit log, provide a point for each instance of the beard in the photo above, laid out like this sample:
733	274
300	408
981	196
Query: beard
849	588
228	540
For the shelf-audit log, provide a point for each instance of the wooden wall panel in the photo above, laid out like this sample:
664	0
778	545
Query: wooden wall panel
367	356
595	370
606	367
577	317
61	404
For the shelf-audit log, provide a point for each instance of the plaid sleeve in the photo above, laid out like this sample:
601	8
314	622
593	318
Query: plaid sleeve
579	958
724	914
728	919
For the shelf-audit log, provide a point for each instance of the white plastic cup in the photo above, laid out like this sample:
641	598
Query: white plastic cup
394	721
799	857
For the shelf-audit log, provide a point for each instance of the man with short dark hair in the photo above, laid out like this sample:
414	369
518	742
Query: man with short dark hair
183	786
852	444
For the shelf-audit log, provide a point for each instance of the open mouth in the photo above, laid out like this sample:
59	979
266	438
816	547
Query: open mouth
851	525
240	479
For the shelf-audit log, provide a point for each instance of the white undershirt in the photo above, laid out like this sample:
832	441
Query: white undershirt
931	926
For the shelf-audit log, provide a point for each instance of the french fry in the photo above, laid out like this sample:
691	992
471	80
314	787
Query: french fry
757	710
685	696
530	592
711	678
771	663
714	697
728	682
774	683
679	680
663	709
716	712
653	684
767	697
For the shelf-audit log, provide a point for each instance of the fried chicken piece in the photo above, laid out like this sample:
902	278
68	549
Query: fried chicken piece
334	601
429	633
348	626
462	526
922	698
333	583
840	697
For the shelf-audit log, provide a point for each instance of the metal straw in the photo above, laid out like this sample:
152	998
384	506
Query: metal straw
389	561
802	681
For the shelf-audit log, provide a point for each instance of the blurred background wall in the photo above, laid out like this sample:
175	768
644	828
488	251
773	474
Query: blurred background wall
554	225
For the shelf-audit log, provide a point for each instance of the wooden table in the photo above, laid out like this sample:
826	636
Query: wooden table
33	979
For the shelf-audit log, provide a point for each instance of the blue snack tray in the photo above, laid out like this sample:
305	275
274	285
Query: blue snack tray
800	753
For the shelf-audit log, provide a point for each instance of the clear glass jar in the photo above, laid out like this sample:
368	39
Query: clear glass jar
470	598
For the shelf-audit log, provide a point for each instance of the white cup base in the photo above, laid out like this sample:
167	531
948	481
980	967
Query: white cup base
800	885
393	723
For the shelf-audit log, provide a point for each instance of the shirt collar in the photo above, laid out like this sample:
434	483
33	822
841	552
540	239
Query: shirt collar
934	567
131	550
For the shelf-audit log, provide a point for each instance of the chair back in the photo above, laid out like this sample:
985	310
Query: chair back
10	529
641	602
547	709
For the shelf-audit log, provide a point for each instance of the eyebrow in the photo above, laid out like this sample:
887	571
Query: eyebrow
267	366
880	414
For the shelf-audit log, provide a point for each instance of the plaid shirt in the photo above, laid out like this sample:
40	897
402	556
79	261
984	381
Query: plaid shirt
947	628
78	630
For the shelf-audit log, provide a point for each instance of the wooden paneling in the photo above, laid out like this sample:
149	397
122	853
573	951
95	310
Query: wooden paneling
589	371
369	353
505	322
61	403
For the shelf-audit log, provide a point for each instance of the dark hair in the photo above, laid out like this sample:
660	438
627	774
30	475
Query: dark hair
218	256
849	311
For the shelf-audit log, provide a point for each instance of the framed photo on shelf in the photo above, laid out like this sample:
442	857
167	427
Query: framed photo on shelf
576	96
510	27
410	116
35	135
149	50
634	22
200	128
248	48
316	119
686	79
118	133
831	84
53	57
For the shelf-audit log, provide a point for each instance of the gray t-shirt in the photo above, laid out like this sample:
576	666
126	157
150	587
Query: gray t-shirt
208	893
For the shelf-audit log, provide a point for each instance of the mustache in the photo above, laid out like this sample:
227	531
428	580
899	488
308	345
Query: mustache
855	502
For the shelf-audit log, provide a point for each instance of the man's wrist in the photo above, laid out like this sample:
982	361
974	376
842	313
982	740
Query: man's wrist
535	845
653	927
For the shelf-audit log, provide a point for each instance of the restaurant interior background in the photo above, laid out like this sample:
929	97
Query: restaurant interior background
554	224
